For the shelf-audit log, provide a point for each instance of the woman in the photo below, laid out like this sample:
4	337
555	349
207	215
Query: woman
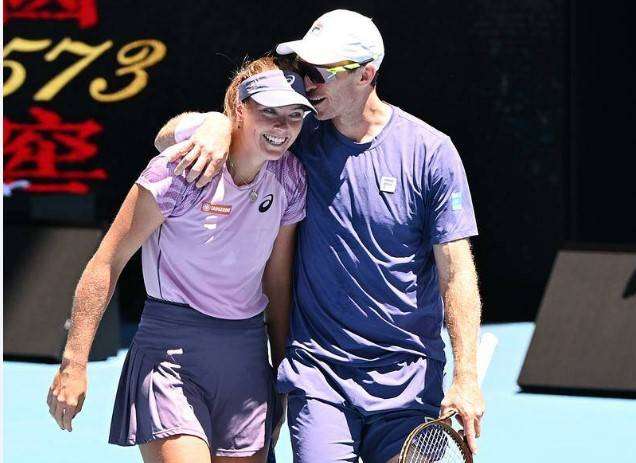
196	385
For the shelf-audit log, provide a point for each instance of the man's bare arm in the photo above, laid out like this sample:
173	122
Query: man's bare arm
165	138
209	136
458	285
462	305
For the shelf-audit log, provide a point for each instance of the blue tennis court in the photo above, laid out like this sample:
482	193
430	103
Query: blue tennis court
397	131
518	427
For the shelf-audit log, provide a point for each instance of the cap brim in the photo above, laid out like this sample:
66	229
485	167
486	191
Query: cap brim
277	98
311	51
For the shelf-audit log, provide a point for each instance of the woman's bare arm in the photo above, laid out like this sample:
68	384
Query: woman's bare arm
138	217
277	281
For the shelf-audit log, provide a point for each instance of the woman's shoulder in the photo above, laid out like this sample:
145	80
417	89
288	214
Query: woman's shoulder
161	166
157	170
174	194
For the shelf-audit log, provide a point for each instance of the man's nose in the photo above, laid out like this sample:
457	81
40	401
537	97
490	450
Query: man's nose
309	84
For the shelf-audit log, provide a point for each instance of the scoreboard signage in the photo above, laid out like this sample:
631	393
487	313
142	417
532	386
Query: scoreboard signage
49	147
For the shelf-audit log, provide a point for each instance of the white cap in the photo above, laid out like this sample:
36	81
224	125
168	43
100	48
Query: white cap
338	35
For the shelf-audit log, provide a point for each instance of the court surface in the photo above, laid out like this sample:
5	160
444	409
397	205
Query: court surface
518	427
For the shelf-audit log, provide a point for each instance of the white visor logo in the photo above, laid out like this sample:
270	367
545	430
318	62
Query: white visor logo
291	79
315	29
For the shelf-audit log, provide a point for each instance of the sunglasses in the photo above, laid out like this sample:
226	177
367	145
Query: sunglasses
322	75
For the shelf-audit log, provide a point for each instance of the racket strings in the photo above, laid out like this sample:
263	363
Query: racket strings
426	443
433	445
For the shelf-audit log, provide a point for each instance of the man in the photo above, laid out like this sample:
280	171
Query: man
382	256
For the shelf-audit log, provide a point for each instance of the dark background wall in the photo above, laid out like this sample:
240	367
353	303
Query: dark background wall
537	95
603	138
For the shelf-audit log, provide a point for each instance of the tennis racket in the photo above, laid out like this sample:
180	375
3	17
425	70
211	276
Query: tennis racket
436	441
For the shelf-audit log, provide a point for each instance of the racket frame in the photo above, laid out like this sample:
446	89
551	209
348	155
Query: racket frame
454	435
485	350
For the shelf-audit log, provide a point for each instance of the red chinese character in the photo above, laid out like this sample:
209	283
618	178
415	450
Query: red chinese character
44	152
83	11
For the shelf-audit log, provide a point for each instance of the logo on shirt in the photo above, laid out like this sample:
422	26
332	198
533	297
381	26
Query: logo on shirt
456	201
388	184
218	209
264	206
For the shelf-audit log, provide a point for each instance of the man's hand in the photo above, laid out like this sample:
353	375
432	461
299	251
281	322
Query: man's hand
206	151
464	397
67	393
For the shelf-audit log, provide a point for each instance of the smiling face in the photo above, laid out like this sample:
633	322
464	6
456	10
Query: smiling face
269	131
338	96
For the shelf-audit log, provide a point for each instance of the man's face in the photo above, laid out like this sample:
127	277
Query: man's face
336	97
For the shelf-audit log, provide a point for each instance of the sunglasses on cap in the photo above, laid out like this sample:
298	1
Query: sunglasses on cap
322	75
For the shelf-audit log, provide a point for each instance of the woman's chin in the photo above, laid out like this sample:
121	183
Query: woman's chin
273	153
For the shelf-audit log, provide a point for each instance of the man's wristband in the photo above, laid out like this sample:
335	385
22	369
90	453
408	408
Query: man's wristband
188	125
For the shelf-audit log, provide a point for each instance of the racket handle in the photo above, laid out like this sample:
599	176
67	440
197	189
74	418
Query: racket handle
487	346
271	456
